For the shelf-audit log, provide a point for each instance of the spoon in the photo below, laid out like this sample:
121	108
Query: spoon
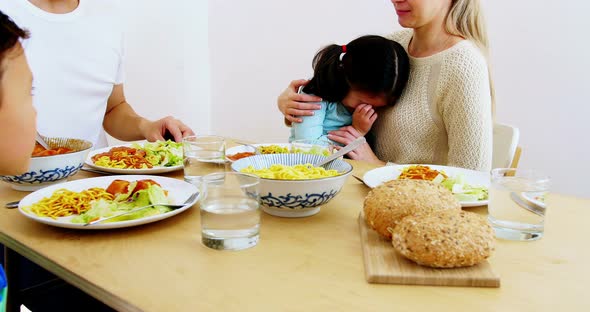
353	145
41	141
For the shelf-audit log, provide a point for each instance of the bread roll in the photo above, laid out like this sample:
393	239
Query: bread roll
387	204
444	239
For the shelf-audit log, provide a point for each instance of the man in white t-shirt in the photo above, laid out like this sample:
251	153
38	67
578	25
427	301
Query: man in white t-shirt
76	55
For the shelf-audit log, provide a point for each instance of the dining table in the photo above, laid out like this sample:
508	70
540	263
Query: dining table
300	264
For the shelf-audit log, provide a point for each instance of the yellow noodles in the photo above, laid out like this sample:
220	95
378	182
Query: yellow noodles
297	172
64	202
273	149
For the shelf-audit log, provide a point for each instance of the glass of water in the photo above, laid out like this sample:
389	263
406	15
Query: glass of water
517	204
312	146
230	210
202	154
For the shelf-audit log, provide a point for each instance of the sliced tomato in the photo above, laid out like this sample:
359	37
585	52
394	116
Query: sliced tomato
118	187
144	184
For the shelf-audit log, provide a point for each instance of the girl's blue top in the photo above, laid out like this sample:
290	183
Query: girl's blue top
331	116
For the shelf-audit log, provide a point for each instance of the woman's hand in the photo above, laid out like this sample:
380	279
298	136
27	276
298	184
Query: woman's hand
293	104
347	134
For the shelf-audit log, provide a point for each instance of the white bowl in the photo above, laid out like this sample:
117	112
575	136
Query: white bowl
295	198
48	170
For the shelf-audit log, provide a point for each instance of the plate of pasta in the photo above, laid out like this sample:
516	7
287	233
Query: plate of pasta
470	187
138	158
75	203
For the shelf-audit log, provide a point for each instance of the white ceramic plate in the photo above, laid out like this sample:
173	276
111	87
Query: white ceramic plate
474	178
245	148
154	170
535	198
178	191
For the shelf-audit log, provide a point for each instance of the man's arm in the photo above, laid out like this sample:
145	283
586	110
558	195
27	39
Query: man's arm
123	123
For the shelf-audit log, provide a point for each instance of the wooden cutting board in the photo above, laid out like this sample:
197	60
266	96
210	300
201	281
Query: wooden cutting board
384	265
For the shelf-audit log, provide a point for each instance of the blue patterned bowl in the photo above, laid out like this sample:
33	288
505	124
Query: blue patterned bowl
295	198
48	170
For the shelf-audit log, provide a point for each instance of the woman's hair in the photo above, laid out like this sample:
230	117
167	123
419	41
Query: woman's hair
9	36
465	19
370	64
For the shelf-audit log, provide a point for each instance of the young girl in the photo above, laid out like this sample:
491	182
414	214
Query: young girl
352	80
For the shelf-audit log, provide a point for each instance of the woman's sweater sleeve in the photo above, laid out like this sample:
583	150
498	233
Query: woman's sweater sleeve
466	112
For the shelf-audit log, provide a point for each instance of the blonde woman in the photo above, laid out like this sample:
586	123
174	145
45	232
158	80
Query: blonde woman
444	115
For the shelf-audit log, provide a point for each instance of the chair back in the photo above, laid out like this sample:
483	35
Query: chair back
505	146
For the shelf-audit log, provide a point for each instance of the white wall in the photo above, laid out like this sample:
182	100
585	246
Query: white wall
167	60
541	66
540	59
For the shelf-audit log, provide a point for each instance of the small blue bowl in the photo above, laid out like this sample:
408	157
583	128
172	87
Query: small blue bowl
295	198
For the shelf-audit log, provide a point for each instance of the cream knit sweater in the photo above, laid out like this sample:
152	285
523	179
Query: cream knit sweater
444	115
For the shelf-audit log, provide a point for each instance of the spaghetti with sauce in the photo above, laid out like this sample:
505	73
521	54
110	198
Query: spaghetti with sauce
40	151
123	157
420	172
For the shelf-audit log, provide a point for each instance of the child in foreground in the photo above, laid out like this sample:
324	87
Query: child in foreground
17	115
353	80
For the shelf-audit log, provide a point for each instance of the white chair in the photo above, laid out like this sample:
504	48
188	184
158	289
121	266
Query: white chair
506	152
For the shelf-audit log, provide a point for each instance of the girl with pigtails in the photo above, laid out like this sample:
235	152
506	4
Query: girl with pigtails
353	80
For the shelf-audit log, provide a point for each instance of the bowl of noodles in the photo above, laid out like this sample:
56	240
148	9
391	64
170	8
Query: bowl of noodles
63	159
290	186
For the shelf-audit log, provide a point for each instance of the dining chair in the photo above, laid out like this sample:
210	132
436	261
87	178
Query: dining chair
506	152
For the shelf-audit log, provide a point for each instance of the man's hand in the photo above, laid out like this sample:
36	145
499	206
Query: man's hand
156	130
363	118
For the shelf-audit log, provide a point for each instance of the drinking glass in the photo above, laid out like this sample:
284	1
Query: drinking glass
230	210
517	203
312	146
202	154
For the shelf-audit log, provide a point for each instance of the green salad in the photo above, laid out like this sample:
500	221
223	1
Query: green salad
462	190
162	153
102	208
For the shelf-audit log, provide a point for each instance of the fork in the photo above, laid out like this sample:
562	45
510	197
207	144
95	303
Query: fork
173	206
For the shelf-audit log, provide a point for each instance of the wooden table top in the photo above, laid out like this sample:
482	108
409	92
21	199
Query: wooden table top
312	263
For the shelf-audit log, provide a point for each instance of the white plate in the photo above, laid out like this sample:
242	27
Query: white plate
246	148
154	170
178	191
474	178
535	198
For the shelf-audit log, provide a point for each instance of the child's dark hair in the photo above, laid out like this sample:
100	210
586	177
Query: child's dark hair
370	64
10	33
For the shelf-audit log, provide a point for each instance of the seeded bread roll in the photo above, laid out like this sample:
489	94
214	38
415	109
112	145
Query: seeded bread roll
387	204
444	239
